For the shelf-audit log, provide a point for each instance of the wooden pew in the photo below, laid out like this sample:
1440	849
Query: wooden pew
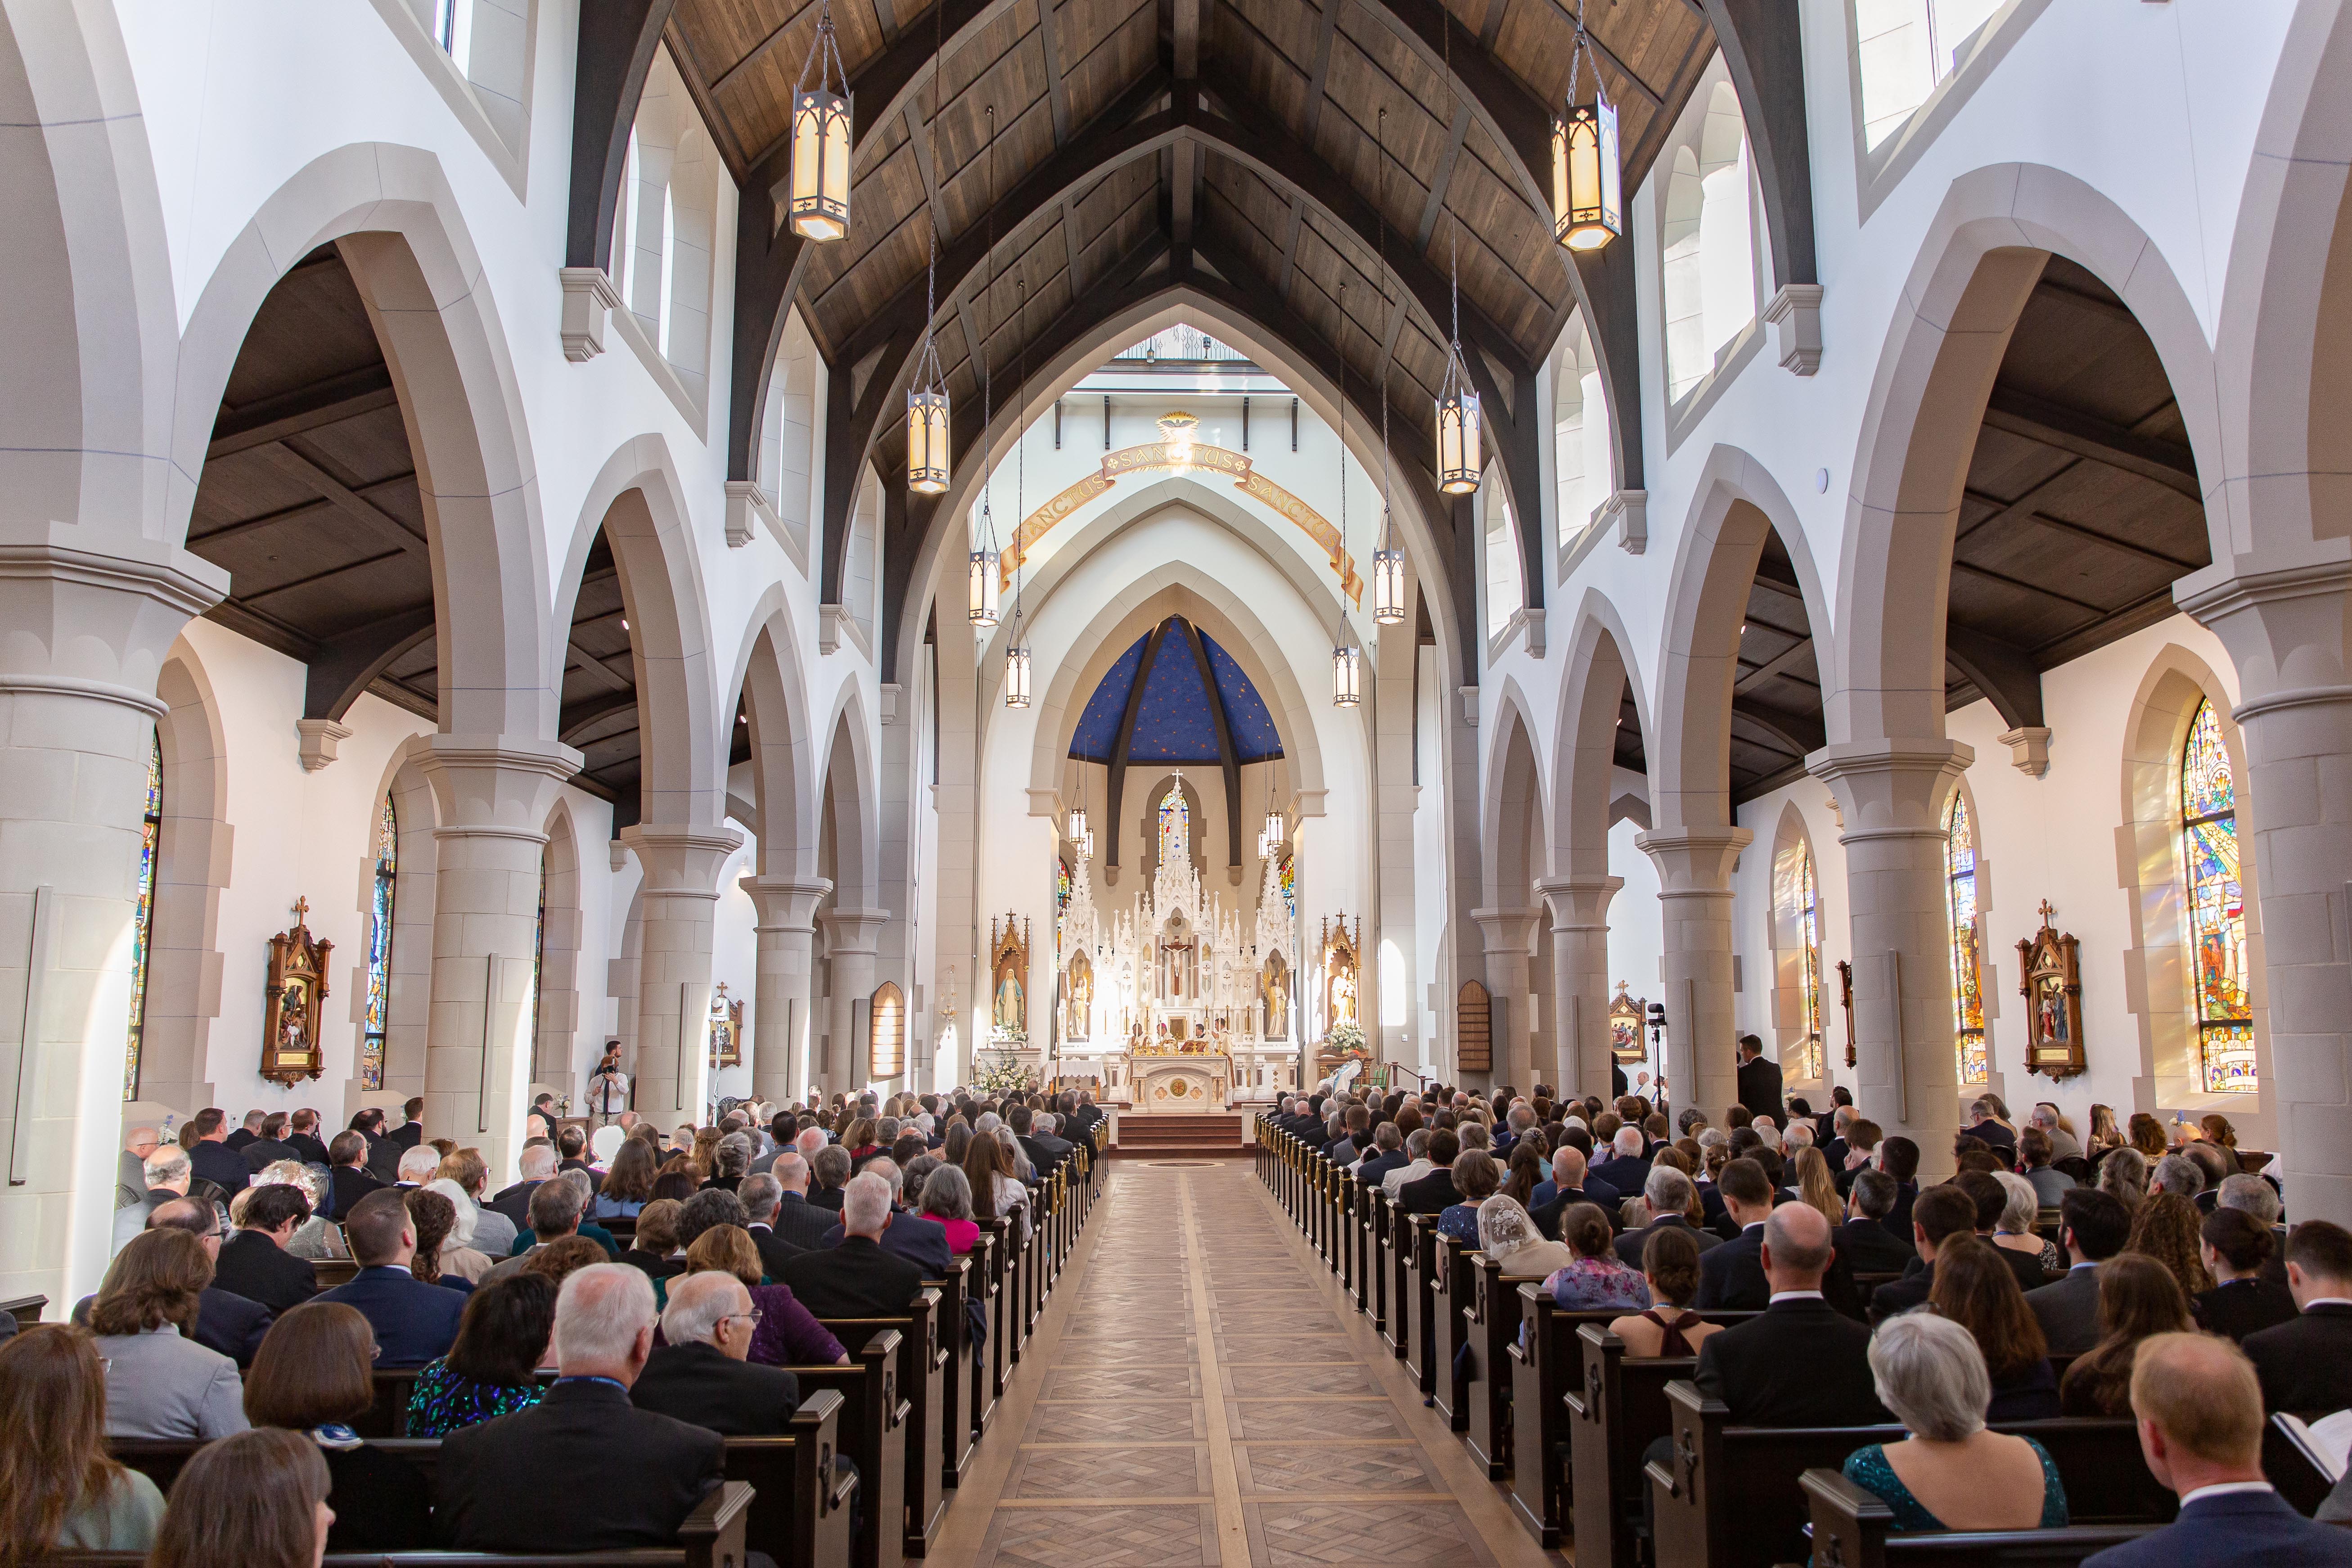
1853	1529
1493	1321
26	1309
960	1346
920	1370
1728	1497
1396	1246
1450	1306
335	1271
1616	1408
1416	1251
1378	1271
983	1378
1362	1253
874	1415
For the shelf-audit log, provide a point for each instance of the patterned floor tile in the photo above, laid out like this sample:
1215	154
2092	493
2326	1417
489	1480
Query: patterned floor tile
1288	1349
1183	1536
1068	1383
1131	1421
1383	1468
1094	1473
1127	1353
1255	1417
1306	1381
1385	1535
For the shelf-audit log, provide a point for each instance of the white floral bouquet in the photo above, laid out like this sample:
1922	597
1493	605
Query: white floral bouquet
1345	1038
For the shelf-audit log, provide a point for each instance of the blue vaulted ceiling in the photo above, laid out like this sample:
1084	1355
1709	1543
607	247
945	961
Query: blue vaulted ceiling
1176	720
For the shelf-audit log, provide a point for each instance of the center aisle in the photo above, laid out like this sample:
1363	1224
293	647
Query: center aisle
1199	1393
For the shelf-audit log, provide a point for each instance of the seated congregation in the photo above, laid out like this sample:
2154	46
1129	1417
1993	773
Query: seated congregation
773	1340
1737	1343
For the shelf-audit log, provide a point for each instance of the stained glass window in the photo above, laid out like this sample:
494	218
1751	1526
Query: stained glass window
1175	826
2217	908
1289	879
538	959
379	993
143	919
1808	910
1967	969
1061	897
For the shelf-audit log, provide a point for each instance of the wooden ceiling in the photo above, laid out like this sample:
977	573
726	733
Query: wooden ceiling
1296	215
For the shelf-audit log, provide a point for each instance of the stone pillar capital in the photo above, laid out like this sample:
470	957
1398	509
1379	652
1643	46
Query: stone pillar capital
680	859
1694	861
496	786
1509	929
853	933
785	903
1893	788
91	612
1579	903
2286	630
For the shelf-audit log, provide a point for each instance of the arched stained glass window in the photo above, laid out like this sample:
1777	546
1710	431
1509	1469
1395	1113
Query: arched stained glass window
143	919
1967	969
1061	897
379	992
1175	826
1809	940
537	956
1289	877
2217	908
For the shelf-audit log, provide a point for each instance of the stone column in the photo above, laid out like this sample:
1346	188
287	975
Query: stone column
87	633
679	902
780	999
1694	896
1510	934
1891	796
493	792
1580	977
851	937
2290	635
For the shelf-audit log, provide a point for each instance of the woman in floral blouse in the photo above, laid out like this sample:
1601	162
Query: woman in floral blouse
1596	1279
492	1369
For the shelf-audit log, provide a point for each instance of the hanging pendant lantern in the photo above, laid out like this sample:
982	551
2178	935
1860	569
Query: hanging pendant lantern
1347	675
1458	431
1016	676
818	205
1276	830
927	432
1388	586
1588	207
984	585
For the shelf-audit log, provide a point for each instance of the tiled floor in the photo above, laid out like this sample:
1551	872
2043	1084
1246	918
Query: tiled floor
1200	1394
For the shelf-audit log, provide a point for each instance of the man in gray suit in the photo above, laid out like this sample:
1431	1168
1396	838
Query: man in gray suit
2093	1227
168	1172
130	1166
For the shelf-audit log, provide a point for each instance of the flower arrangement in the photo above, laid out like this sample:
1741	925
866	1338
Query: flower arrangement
1003	1075
1344	1038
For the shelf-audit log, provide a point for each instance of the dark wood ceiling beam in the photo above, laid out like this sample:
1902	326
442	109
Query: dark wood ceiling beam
2023	512
1125	740
580	717
266	629
1772	669
307	579
1987	573
593	666
1318	81
1799	733
616	43
2004	674
1444	181
1227	755
331	401
349	664
349	501
300	512
1058	92
1763	53
2167	463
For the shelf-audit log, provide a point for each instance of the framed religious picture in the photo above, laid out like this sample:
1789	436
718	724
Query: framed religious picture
725	1029
1625	1015
2053	989
1008	978
1845	1004
291	1006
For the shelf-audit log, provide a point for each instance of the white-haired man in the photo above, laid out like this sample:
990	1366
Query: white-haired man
537	1163
168	1172
920	1241
583	1467
859	1277
701	1375
419	1165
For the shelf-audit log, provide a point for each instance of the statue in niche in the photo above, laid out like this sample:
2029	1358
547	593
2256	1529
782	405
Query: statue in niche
1079	994
1008	1003
1009	967
1343	997
1275	988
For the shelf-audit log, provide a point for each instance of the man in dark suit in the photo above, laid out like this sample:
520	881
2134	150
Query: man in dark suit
2305	1364
410	1130
1863	1240
1572	1182
250	1133
1990	1199
1760	1081
919	1240
759	1196
1799	1363
828	1174
584	1467
1942	1212
348	1179
303	1135
271	1146
1668	1196
859	1277
228	1323
1731	1276
1627	1168
1387	1155
2235	1245
212	1159
255	1264
2092	1227
383	1154
699	1376
2200	1431
1046	1151
1083	1120
1434	1193
537	1163
798	1222
1985	1127
413	1322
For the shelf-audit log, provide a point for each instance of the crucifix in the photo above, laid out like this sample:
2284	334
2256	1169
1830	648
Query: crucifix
301	910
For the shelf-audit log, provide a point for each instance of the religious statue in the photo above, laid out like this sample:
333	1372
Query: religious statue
1343	997
1009	971
1008	1003
1275	986
1079	994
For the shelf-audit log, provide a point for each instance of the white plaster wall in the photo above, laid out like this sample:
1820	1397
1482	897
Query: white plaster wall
734	958
1637	935
1432	904
2053	838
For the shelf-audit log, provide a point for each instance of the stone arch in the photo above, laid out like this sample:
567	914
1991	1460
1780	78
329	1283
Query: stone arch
850	795
1736	503
191	867
1584	785
391	212
1993	1081
1982	255
2159	982
554	1062
418	812
638	501
1512	815
95	327
775	689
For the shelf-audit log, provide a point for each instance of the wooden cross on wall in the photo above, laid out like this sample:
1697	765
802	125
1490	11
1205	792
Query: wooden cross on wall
301	910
